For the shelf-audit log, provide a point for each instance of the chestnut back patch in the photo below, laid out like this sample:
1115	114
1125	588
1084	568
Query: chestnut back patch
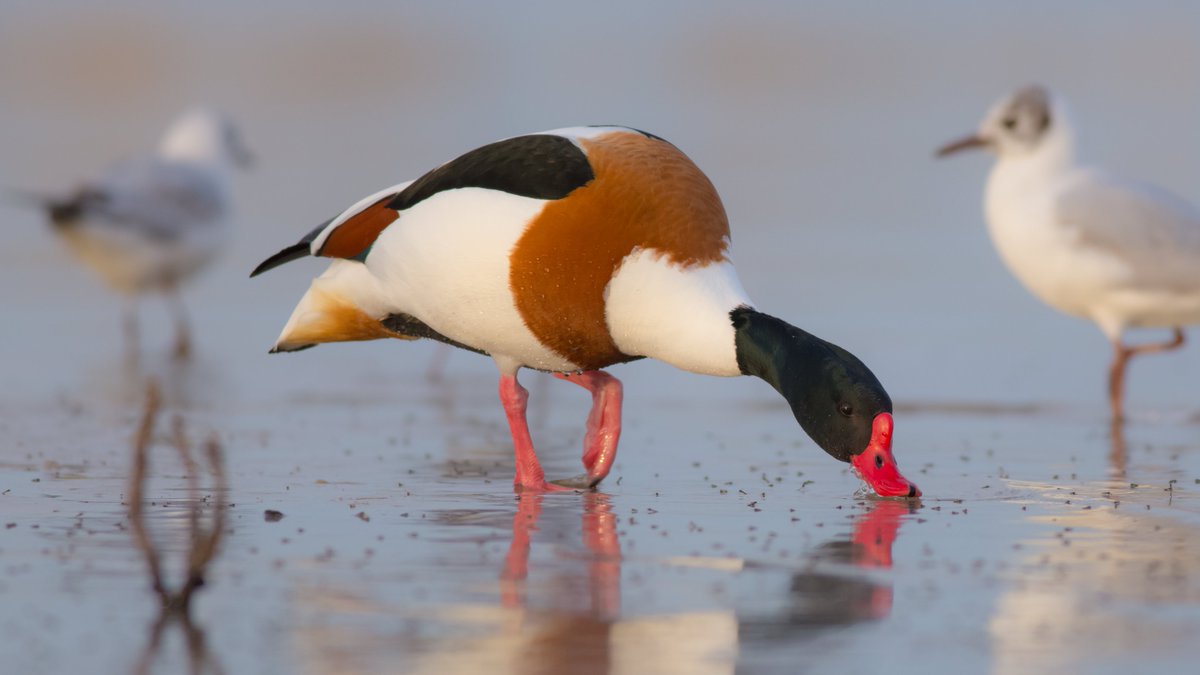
353	238
646	195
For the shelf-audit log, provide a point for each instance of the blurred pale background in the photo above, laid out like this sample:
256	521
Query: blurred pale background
816	121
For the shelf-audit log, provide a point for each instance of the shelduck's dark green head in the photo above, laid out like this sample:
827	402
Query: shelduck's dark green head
836	399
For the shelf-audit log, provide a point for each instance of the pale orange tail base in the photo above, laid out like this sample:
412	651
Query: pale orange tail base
326	317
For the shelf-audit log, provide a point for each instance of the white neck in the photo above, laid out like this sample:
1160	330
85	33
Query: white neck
1017	174
678	315
1054	154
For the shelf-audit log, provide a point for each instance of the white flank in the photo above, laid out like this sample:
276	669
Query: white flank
446	262
679	315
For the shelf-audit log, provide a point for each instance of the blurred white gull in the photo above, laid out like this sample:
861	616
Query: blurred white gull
1122	253
150	224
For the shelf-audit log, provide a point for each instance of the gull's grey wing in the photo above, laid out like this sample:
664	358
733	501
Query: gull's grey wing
161	200
1155	232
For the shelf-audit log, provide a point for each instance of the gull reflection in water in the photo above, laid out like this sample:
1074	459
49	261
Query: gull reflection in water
203	538
1117	456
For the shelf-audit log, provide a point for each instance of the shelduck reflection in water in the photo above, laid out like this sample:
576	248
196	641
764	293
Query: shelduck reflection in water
571	598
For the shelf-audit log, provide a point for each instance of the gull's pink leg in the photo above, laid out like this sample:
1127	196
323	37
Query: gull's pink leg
604	421
1121	356
529	474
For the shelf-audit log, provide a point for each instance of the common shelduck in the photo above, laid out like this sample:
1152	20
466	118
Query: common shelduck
1088	243
568	251
150	224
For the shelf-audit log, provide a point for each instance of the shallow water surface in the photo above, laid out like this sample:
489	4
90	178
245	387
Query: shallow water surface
736	545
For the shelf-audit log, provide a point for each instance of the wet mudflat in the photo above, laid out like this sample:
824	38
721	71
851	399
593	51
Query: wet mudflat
732	544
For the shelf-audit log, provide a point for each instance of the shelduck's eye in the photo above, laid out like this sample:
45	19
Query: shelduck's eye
1009	123
846	409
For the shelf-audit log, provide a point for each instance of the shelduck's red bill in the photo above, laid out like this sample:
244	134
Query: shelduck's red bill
876	465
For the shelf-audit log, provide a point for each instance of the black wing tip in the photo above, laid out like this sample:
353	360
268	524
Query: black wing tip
296	251
293	252
287	350
62	210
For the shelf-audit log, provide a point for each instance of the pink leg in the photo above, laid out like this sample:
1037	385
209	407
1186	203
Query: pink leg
604	421
529	475
1121	356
